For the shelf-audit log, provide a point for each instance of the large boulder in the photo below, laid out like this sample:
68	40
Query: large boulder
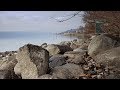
101	43
57	49
67	71
57	60
7	68
32	61
109	57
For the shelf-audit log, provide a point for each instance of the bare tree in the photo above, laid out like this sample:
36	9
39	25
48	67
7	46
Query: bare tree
112	18
68	17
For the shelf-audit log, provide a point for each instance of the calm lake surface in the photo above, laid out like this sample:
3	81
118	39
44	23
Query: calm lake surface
10	41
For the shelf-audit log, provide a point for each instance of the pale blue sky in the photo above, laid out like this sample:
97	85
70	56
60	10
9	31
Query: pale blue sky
37	21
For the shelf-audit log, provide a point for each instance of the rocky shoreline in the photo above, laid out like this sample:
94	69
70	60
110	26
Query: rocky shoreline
97	57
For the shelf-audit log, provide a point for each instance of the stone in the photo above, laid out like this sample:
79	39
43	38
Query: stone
77	60
109	57
80	50
17	69
33	61
74	46
67	71
68	43
57	60
7	68
57	49
74	54
44	45
101	43
7	74
47	76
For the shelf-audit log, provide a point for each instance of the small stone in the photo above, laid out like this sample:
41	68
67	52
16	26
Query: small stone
92	60
99	70
84	77
99	76
85	67
89	64
92	72
101	73
106	70
94	76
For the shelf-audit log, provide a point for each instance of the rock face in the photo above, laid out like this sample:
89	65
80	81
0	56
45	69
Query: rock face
57	49
67	71
57	60
32	61
101	43
109	57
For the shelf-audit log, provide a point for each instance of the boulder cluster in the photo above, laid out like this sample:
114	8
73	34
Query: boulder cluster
95	58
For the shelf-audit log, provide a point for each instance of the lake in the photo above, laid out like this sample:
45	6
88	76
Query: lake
13	40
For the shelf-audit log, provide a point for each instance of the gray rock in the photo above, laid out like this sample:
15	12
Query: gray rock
109	57
74	46
32	61
57	49
47	76
57	60
7	68
44	45
74	54
77	60
101	43
68	43
67	71
7	74
80	50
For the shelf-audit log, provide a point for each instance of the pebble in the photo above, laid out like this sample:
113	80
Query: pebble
94	76
99	76
85	67
92	72
89	64
99	70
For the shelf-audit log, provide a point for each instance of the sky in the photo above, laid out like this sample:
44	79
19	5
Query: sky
38	21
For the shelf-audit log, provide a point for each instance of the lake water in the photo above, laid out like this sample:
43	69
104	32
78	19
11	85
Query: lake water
10	41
